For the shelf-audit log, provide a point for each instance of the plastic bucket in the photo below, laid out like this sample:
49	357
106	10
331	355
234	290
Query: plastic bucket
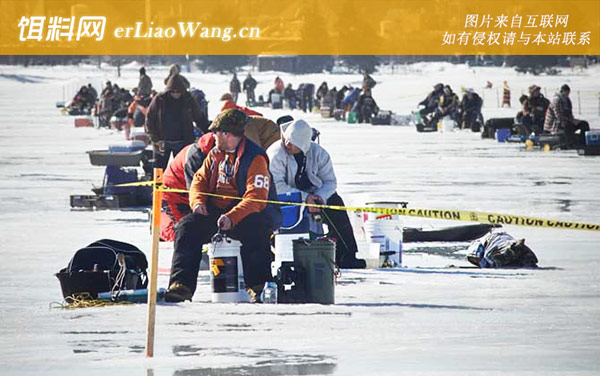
317	258
380	216
226	272
447	125
351	118
388	234
284	249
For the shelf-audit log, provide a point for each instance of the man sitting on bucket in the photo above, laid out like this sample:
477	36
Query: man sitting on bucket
299	164
234	167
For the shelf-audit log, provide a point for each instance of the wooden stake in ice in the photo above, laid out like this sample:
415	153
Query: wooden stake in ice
156	204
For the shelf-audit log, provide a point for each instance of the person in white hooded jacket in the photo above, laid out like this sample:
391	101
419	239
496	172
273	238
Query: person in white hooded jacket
300	165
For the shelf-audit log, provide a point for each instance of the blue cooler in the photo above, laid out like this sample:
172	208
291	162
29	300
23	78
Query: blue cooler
502	134
295	220
592	138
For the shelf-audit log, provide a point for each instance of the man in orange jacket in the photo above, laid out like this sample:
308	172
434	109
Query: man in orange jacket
235	167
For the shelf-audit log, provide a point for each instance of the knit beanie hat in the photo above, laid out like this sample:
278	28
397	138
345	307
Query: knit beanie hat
176	83
231	120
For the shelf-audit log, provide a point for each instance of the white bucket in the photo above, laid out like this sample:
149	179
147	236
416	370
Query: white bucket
284	249
447	124
369	252
227	272
388	234
380	216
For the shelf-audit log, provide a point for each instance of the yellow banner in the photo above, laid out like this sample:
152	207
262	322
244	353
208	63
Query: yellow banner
299	27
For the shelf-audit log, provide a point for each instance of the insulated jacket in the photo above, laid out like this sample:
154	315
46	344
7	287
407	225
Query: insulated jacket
234	85
250	180
191	114
536	107
559	114
319	167
179	174
145	86
249	83
262	131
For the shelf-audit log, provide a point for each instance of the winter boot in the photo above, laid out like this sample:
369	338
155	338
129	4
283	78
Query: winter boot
178	293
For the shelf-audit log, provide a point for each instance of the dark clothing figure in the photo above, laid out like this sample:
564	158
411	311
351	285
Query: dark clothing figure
432	101
322	91
145	84
339	98
170	118
560	120
176	70
534	110
306	93
470	109
289	95
126	98
368	82
328	101
93	94
82	102
448	106
249	87
235	88
366	107
106	107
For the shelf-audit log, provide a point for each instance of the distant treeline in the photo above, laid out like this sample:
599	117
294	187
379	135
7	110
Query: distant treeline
301	64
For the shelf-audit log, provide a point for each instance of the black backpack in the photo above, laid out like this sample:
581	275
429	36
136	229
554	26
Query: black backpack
103	266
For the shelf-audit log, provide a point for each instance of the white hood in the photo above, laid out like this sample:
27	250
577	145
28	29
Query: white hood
299	133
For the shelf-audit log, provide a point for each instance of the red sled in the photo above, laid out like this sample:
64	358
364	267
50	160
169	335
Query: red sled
83	122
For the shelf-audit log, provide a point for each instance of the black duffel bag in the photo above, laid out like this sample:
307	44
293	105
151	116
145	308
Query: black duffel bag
491	125
103	266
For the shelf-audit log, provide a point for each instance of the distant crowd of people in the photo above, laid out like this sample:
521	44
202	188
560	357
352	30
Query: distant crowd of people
305	97
537	114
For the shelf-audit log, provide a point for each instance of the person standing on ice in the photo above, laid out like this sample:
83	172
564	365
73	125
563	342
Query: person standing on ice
234	167
249	86
301	165
170	121
145	84
234	87
368	81
176	70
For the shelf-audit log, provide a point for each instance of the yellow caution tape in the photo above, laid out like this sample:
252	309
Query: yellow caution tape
453	215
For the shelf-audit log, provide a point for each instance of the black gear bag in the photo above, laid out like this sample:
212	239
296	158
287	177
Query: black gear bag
103	266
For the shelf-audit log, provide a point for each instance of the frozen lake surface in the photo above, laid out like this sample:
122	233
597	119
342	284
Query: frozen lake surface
422	319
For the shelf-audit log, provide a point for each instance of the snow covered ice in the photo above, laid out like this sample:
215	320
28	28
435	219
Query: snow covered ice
422	319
